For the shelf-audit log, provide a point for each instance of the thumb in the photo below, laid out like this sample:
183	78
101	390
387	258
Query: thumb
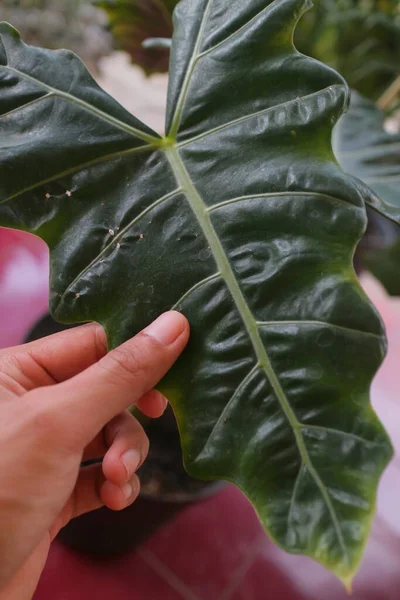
92	398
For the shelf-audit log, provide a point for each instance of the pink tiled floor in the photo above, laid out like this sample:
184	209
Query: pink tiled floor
214	550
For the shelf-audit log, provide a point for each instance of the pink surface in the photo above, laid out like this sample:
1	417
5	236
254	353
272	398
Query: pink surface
23	284
215	550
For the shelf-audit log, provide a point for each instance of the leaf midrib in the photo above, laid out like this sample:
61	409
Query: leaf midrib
199	209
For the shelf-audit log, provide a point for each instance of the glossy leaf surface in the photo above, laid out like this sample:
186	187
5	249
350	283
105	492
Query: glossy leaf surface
239	217
366	150
132	22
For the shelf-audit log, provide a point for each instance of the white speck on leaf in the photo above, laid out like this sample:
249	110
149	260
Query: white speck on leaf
118	245
68	193
111	231
141	236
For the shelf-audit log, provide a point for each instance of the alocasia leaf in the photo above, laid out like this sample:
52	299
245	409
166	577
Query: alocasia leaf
239	217
366	150
132	22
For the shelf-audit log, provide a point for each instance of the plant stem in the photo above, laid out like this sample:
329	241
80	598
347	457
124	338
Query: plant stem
389	95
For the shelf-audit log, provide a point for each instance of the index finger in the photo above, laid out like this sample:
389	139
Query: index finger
92	398
57	357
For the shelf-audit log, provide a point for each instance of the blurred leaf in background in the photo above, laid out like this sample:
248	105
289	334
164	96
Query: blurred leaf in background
368	151
358	38
133	21
73	24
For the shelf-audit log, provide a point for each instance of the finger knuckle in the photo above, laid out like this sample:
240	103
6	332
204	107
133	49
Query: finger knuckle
128	363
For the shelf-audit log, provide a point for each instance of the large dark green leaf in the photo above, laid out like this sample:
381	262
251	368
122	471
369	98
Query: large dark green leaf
241	218
367	151
134	21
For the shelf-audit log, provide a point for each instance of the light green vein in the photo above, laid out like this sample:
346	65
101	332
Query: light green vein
27	105
189	72
116	239
230	402
77	169
259	113
224	267
195	287
289	194
91	109
318	324
341	433
293	498
256	17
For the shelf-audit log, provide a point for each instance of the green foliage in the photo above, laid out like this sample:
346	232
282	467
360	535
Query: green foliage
358	38
367	151
134	21
239	217
384	264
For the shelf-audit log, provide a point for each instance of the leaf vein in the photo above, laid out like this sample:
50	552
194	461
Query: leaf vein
346	434
191	66
241	29
293	497
318	323
72	170
194	288
36	100
199	209
283	194
115	240
221	418
256	114
91	109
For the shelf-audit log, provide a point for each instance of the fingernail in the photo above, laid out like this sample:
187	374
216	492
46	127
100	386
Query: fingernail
167	328
165	403
127	490
131	460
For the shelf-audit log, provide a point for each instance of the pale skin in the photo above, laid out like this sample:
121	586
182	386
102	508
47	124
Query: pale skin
63	401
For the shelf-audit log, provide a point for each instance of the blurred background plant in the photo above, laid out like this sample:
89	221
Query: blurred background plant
133	21
358	38
73	24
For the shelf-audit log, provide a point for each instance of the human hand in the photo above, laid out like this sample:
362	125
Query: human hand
63	401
